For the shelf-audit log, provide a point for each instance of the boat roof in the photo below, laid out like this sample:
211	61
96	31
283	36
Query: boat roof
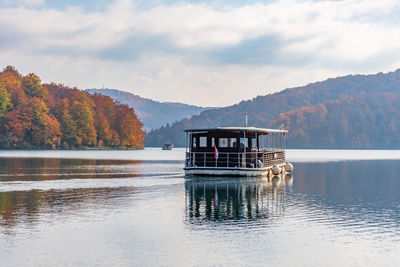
236	129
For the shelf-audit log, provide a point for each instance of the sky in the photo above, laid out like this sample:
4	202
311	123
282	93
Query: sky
208	53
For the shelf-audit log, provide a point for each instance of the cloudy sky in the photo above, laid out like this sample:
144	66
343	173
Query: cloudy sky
210	53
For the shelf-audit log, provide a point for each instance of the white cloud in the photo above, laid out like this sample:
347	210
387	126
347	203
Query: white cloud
198	54
24	2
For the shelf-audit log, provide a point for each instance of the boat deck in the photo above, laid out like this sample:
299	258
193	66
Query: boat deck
268	158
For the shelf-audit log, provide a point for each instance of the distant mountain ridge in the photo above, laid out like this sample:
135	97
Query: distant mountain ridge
152	113
355	111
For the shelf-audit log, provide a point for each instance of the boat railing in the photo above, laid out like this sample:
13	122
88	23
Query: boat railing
268	158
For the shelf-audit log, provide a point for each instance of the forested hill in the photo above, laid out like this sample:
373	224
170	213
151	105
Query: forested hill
51	116
356	111
152	113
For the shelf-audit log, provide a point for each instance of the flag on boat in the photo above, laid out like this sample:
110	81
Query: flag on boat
215	152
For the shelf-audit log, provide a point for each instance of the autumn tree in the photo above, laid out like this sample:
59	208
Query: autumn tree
45	129
128	127
104	114
83	116
13	71
5	100
33	86
15	127
68	126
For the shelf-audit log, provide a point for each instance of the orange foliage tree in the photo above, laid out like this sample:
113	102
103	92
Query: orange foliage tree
33	115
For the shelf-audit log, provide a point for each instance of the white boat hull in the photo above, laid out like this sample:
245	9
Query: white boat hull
244	172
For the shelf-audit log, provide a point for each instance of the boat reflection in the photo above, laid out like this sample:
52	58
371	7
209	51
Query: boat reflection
224	199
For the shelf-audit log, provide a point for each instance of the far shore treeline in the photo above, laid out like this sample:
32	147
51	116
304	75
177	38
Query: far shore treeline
52	116
350	112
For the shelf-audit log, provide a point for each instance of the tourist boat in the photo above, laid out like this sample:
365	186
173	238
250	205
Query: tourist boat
167	146
236	151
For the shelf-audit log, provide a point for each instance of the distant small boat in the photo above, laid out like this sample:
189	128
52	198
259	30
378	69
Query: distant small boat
167	146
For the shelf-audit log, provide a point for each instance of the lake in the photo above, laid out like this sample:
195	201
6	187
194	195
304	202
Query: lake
136	208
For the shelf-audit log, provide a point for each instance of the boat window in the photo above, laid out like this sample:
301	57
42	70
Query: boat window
195	142
223	142
253	142
203	141
232	142
213	142
244	142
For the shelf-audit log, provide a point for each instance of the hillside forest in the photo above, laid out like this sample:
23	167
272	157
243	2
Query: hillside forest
354	112
52	116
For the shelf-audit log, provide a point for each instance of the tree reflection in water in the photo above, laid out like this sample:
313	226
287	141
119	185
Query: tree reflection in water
22	206
40	169
26	208
229	199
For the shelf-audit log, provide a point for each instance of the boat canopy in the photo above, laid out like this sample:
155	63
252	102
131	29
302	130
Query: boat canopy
253	130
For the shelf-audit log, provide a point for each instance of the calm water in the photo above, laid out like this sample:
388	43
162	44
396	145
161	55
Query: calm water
135	208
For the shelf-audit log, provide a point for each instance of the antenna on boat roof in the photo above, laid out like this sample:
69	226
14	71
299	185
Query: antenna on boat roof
246	119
